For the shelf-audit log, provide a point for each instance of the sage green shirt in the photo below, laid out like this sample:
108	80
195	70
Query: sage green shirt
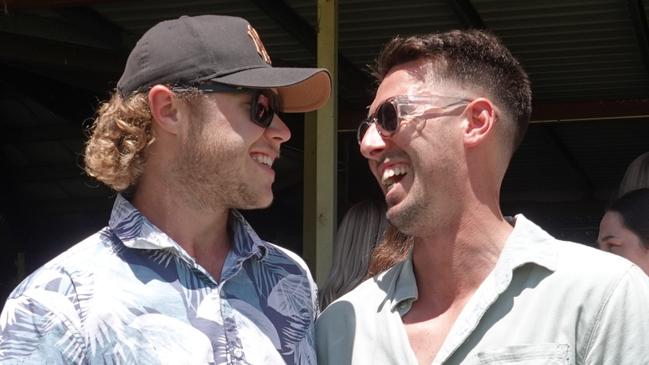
546	302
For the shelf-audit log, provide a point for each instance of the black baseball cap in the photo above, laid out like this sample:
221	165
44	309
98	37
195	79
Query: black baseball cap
224	49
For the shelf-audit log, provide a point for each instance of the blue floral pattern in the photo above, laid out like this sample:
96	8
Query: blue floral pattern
130	294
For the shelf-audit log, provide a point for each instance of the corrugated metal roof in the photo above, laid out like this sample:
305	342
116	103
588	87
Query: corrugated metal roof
366	25
137	17
572	49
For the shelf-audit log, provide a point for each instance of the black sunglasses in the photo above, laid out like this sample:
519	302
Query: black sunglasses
388	115
263	105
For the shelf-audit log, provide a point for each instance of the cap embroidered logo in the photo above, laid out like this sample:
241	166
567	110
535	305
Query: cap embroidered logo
260	46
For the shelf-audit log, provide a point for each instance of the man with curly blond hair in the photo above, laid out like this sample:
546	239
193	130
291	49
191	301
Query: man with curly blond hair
178	276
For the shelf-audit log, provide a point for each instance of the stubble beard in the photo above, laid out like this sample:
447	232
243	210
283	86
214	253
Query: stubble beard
208	174
407	215
421	211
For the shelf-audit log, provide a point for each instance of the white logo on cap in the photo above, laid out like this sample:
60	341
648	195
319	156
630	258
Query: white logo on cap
260	46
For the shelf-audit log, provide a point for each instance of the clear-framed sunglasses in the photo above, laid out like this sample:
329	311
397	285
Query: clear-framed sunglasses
392	111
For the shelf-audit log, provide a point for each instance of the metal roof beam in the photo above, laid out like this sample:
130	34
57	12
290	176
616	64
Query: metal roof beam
94	82
42	133
77	26
45	173
80	48
639	19
9	5
58	207
94	24
288	19
589	187
69	103
32	50
466	13
302	31
589	110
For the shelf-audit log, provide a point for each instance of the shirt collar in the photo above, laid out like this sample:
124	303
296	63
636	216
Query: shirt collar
527	244
405	291
136	231
246	241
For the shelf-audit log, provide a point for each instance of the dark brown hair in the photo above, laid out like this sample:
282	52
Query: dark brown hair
468	57
634	209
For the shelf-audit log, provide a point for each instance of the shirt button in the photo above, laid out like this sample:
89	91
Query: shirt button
238	353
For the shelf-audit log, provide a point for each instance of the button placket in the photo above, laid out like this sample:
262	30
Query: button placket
232	340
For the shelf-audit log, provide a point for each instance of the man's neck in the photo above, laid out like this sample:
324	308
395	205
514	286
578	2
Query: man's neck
450	265
202	233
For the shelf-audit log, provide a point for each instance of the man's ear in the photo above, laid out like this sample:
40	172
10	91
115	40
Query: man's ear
164	108
480	121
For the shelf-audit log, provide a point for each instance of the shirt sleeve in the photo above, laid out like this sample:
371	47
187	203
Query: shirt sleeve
619	335
40	327
305	349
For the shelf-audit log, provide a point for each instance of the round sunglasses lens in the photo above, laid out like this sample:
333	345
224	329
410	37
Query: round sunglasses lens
262	111
362	129
387	117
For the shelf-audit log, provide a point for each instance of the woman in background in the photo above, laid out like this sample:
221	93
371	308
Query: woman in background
624	229
360	230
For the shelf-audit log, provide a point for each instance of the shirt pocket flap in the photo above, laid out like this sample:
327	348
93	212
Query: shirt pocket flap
533	354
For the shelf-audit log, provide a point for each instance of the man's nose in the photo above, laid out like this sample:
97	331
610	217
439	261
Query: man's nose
372	144
278	130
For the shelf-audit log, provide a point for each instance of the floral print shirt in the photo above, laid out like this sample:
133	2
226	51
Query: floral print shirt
130	294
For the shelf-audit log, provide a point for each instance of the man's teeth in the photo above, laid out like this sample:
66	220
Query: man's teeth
263	159
391	172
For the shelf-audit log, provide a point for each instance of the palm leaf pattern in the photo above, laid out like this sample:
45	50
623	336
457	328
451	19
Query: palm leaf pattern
291	298
191	287
162	257
29	318
130	294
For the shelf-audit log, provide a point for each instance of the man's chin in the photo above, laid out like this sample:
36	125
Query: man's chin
266	204
399	216
259	203
394	216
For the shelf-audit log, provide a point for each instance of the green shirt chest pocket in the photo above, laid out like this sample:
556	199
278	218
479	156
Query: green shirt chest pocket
533	354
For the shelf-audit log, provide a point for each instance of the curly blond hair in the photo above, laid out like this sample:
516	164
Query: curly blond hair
115	151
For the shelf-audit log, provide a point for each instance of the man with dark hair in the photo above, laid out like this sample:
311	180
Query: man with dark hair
449	112
178	276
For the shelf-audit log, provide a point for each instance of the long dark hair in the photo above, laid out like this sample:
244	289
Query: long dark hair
393	249
361	229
